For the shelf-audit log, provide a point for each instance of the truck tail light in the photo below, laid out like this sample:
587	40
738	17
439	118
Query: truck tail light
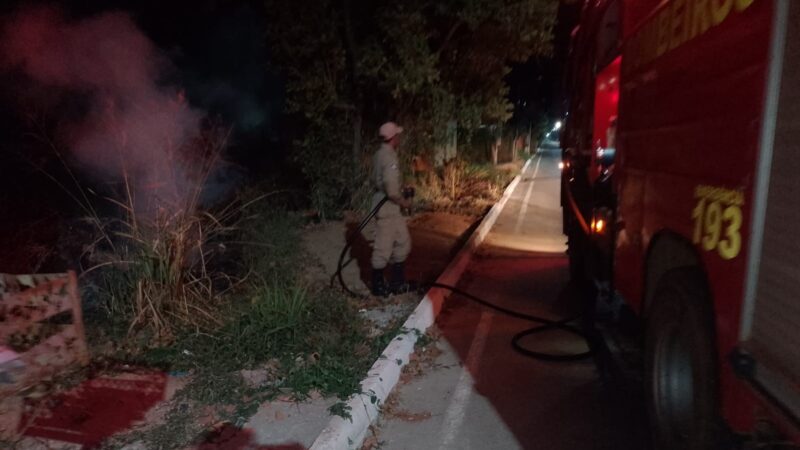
601	218
598	226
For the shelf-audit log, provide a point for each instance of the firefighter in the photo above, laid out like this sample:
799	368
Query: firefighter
392	240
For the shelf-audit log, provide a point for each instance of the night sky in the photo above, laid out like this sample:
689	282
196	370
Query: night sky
537	87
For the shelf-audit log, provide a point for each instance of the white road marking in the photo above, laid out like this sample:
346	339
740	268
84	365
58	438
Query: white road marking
524	209
454	417
527	163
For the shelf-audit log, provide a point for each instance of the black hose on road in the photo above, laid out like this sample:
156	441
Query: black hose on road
545	324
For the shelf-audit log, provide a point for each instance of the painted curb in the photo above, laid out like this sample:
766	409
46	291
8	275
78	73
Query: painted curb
383	376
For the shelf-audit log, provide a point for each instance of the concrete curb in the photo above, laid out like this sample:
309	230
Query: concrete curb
382	377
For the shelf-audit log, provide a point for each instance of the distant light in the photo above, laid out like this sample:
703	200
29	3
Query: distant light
557	126
561	165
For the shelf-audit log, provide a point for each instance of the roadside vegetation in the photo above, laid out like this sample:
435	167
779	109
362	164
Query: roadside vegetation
463	188
280	338
213	290
216	295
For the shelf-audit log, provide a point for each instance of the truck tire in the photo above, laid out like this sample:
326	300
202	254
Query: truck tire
575	255
681	380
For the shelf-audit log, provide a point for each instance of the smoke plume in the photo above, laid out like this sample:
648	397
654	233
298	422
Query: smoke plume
135	129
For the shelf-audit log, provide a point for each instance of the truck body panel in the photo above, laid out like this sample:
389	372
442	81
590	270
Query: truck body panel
694	118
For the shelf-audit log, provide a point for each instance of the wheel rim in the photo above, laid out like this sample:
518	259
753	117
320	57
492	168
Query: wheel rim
673	384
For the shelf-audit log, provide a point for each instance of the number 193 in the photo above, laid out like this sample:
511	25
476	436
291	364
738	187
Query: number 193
718	227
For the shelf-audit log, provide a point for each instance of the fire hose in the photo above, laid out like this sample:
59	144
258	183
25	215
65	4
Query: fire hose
544	324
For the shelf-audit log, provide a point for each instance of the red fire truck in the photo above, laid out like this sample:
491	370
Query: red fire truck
682	197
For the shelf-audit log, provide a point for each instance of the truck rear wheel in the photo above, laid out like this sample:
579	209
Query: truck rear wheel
576	253
681	365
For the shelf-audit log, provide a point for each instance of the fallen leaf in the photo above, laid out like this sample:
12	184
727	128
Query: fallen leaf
370	443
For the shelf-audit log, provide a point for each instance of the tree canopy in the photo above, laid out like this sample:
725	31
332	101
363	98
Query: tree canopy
351	64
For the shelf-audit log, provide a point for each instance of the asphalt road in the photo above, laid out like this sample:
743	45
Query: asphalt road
481	394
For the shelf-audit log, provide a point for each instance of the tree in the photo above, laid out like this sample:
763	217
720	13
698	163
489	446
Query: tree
351	64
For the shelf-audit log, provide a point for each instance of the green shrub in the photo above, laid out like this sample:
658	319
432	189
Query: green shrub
271	245
462	187
325	157
318	337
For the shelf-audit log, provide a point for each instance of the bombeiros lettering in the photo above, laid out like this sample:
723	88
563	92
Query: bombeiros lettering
675	24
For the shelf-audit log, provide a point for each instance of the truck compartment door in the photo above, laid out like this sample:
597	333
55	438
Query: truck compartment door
770	330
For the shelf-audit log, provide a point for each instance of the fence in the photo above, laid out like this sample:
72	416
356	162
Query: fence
41	321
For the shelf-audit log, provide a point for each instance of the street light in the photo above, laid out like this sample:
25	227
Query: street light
558	125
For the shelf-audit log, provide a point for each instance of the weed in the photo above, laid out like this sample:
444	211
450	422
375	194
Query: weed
271	243
213	398
341	409
423	339
173	433
453	173
336	180
161	280
151	260
461	187
214	292
317	338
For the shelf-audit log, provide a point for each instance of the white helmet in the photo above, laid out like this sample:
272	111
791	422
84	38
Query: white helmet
389	130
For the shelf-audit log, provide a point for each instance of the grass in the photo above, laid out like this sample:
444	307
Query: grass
462	187
311	340
151	262
341	409
318	340
306	338
161	280
214	292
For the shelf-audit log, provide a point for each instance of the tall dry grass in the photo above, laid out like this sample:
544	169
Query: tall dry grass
154	261
162	280
461	187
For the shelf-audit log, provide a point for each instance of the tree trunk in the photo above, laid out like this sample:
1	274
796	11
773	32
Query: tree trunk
358	123
514	147
355	92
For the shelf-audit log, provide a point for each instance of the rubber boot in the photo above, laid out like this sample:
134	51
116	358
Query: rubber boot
379	288
399	285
